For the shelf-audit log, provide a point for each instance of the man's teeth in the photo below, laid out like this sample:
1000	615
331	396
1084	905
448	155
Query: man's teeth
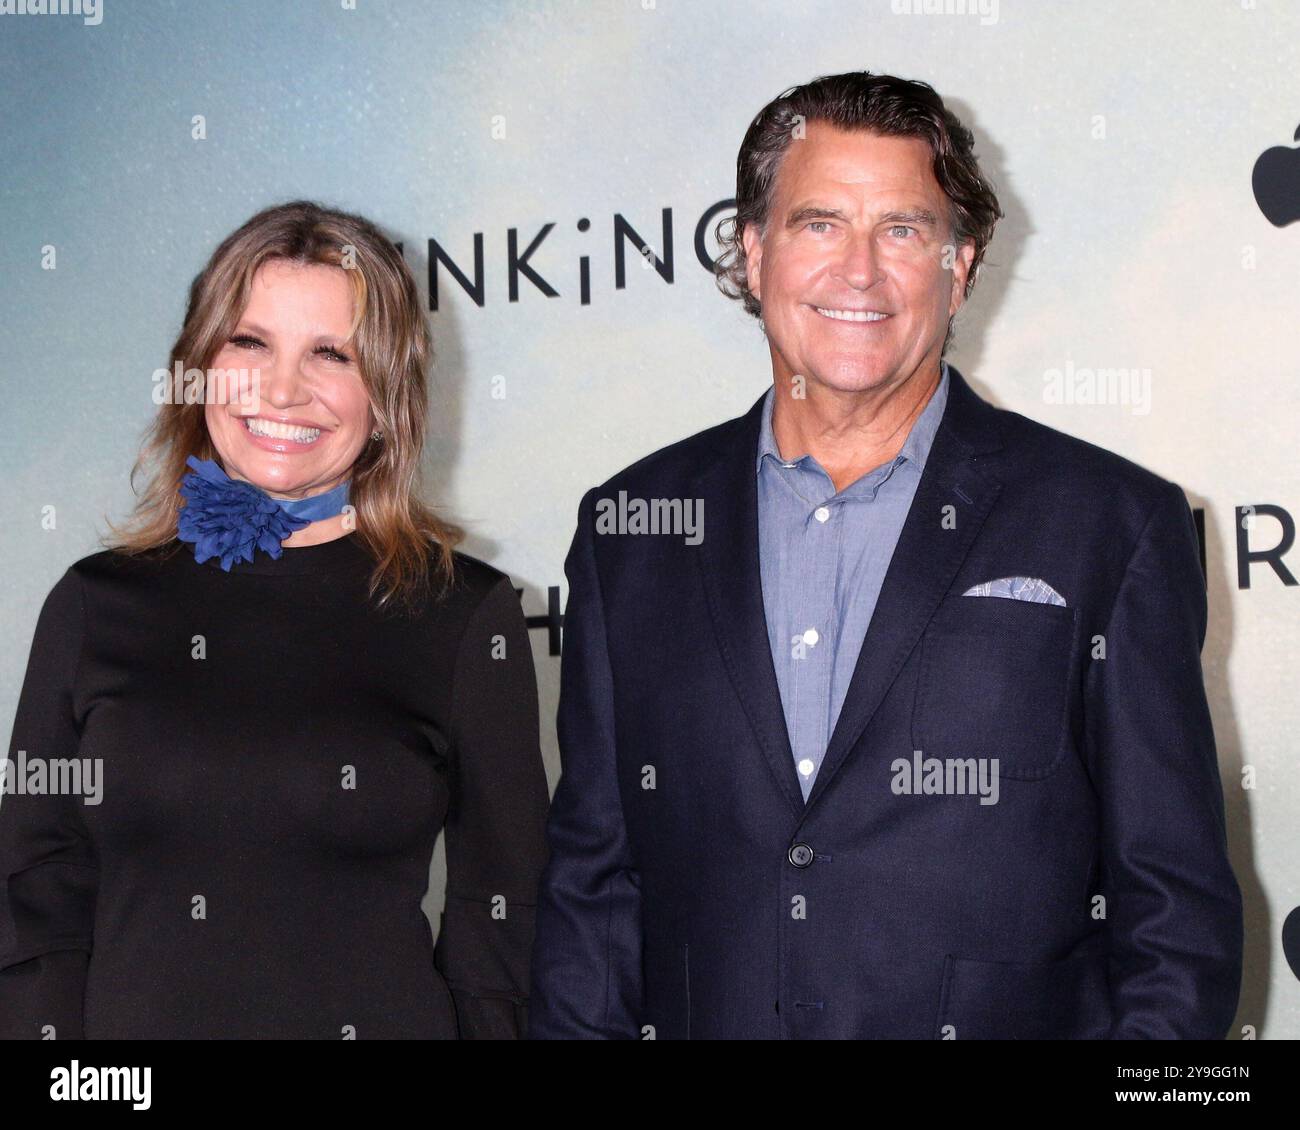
272	430
852	315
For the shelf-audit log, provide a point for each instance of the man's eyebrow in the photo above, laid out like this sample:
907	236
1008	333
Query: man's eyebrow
916	216
812	212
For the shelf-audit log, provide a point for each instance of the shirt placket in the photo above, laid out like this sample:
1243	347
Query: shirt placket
815	626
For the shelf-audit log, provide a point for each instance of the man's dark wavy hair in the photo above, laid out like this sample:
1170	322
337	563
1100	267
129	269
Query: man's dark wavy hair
858	100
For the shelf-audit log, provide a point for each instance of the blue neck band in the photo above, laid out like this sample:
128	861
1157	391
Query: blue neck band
229	518
318	506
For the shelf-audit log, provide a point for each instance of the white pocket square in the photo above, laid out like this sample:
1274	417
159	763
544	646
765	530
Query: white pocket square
1018	588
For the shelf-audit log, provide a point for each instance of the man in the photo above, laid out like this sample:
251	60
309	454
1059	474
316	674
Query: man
914	742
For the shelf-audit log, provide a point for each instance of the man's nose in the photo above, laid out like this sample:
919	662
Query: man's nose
858	264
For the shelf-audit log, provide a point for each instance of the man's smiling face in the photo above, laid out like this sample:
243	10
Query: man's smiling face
856	269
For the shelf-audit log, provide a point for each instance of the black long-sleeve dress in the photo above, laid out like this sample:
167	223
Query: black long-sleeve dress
266	761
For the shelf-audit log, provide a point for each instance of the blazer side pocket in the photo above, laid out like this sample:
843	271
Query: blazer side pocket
1012	1000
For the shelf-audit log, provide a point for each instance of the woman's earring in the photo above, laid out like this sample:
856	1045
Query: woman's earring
375	437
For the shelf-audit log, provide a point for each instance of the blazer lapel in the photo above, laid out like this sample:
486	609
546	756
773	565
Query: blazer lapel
925	561
728	558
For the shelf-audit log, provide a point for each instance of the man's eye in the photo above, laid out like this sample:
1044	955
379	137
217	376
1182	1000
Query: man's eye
819	226
902	228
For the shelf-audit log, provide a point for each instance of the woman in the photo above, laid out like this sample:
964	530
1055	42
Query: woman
291	683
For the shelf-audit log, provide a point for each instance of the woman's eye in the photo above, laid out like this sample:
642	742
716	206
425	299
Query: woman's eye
328	352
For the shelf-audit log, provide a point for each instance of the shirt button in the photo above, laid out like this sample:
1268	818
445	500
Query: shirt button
821	513
810	637
800	855
806	767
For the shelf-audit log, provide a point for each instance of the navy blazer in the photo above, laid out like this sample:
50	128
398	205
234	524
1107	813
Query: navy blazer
691	893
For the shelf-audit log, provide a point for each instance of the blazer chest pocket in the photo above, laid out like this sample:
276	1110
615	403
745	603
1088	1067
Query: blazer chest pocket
993	683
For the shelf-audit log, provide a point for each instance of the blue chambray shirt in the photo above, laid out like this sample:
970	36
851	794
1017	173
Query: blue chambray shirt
822	558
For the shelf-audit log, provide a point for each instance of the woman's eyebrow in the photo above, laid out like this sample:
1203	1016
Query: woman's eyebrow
318	333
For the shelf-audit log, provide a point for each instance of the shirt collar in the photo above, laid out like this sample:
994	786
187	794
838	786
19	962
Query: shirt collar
916	448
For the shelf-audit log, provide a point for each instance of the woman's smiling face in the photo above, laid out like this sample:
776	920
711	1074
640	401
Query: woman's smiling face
308	416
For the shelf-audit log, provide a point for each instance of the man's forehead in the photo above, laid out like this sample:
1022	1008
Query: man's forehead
855	160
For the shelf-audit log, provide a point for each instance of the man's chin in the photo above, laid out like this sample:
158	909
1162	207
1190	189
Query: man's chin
853	377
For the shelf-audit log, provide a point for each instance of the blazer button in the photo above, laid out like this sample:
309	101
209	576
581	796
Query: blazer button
801	855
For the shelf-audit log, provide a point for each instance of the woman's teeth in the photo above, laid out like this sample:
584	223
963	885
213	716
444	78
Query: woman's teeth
272	430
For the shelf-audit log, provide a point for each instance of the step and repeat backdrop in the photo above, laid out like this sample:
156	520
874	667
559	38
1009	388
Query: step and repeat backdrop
554	171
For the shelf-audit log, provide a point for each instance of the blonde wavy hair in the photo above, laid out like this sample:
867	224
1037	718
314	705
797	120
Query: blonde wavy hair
411	546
